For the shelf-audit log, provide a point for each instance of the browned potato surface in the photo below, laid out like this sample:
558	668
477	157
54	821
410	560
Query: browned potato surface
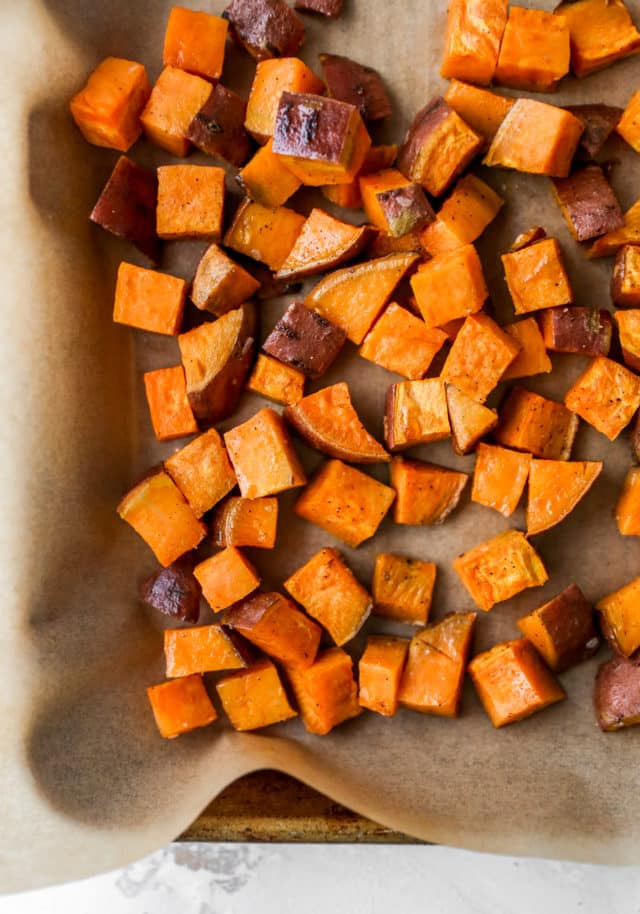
265	28
600	121
331	8
616	695
174	591
588	203
305	340
352	82
586	331
218	128
127	206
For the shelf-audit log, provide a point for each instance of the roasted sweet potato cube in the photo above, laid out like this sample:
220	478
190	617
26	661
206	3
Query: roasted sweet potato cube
175	100
384	244
483	110
107	109
600	121
426	494
512	682
264	435
127	206
588	203
606	395
264	233
305	340
536	277
380	672
202	471
562	630
356	84
158	512
275	625
181	705
402	588
472	39
394	204
436	664
246	522
537	138
276	381
326	692
616	696
190	201
555	488
601	33
463	216
217	358
438	147
220	284
479	356
586	331
529	422
470	421
323	243
195	42
348	195
612	241
352	298
266	180
265	28
534	54
450	286
217	129
499	478
530	236
226	577
204	649
171	415
330	592
628	507
620	618
532	358
629	124
173	591
415	413
149	300
401	342
629	332
272	78
625	282
345	502
327	420
330	8
254	698
500	568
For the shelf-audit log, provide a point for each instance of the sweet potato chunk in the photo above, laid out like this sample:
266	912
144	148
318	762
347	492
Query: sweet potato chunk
606	395
434	673
158	512
472	39
629	124
450	286
512	682
356	84
529	422
305	340
345	502
348	195
534	54
264	233
426	494
272	78
264	435
266	180
500	568
181	705
612	241
524	239
173	591
328	421
555	488
401	342
220	284
620	618
463	216
415	413
556	131
254	698
380	672
217	129
536	277
499	478
586	331
330	8
629	332
195	42
394	204
532	358
217	358
470	421
384	244
403	588
329	591
175	100
353	297
588	203
127	206
635	439
265	28
483	111
276	381
616	696
275	625
171	415
323	243
190	201
625	282
479	356
107	110
601	33
149	300
600	121
438	147
246	522
202	471
326	692
628	507
226	577
562	630
205	649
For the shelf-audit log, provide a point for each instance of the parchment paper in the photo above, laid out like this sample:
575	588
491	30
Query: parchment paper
86	784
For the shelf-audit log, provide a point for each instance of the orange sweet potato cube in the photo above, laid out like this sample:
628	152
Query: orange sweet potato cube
149	300
263	456
190	201
534	54
220	284
276	381
107	110
629	234
264	233
629	124
562	630
158	512
203	649
415	413
202	472
380	672
529	422
326	693
345	502
532	358
246	522
254	698
402	588
276	625
450	286
628	507
266	179
499	478
602	32
555	488
394	204
512	682
323	243
629	333
606	395
472	39
171	415
625	282
175	100
620	618
272	78
181	705
425	494
195	42
479	356
401	342
536	277
463	216
226	577
330	592
470	421
483	110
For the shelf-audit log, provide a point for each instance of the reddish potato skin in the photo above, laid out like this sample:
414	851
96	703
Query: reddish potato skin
588	203
424	123
311	126
620	298
356	84
305	340
127	206
616	695
406	209
265	28
218	128
585	331
174	591
600	121
330	8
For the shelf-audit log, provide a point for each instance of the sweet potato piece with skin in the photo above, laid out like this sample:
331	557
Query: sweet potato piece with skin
127	207
629	234
562	630
499	478
483	110
205	649
470	421
384	244
247	444
606	395
275	625
348	195
330	8
536	276
555	488
479	356
463	216
324	243
534	54
107	109
600	121
629	124
202	471
629	332
625	282
425	494
401	342
380	672
272	78
217	358
175	100
512	682
173	591
524	239
472	39
532	358
588	203
254	698
181	705
601	33
217	129
148	300
393	204
500	568
402	588
628	507
327	420
190	202
264	233
529	422
345	502
415	413
171	415
352	298
326	693
265	28
195	42
585	331
226	577
266	180
276	381
620	618
305	340
356	84
220	284
616	695
450	286
246	522
329	591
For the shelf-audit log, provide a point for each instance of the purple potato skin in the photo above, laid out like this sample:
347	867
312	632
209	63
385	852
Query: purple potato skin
600	122
356	84
218	128
174	591
586	331
406	209
305	340
616	695
312	126
127	207
588	203
265	28
330	8
424	123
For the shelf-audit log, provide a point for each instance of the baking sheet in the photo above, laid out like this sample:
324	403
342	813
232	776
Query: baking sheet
86	783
